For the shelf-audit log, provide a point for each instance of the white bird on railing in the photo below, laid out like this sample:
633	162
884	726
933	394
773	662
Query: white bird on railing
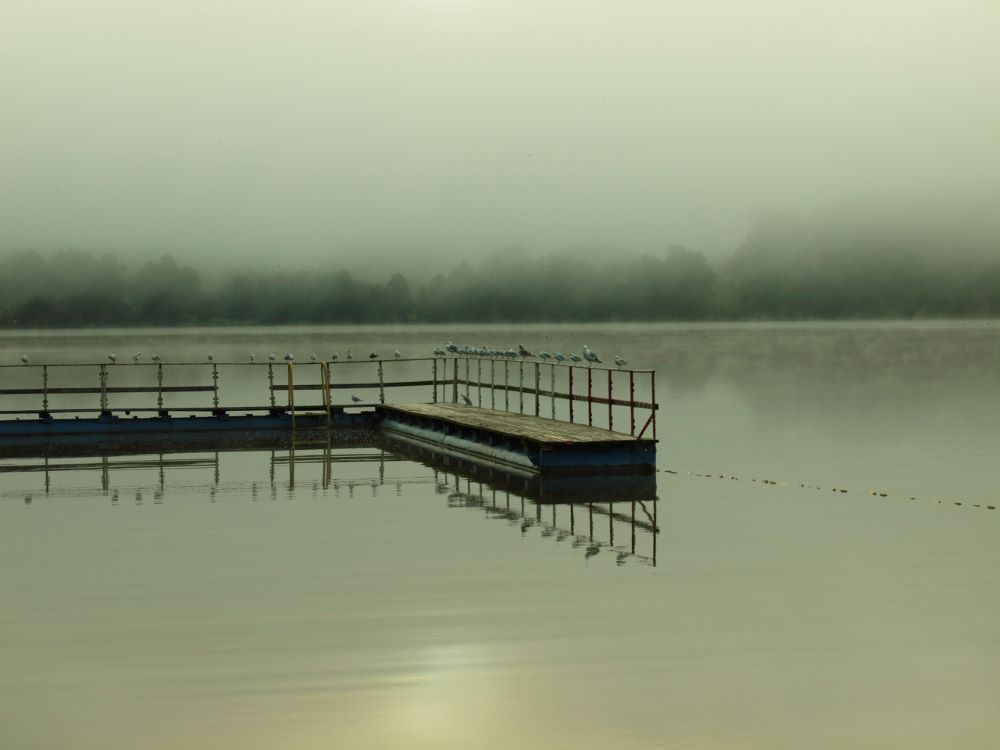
620	361
396	354
135	358
522	351
559	357
451	347
465	399
271	357
24	359
355	399
589	355
289	357
334	356
372	355
253	357
113	358
349	355
211	358
155	358
575	357
312	357
544	355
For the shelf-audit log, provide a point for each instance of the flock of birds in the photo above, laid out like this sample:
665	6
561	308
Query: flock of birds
450	349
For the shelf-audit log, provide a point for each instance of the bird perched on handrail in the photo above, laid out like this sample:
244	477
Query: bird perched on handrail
24	359
372	355
289	357
544	355
589	355
211	357
451	347
575	357
620	361
156	358
113	358
396	354
253	357
334	357
558	357
349	355
312	357
271	357
137	355
355	399
521	351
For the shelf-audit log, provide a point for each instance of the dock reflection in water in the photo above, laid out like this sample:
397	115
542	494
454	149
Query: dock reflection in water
613	512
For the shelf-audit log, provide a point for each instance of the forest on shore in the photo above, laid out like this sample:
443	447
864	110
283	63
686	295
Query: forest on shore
786	269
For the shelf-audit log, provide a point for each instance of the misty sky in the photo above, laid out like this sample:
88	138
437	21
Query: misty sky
288	130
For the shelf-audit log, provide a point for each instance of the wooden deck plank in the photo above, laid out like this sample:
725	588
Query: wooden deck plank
529	427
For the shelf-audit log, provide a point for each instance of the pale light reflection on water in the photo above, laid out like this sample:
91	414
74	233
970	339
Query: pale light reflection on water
213	604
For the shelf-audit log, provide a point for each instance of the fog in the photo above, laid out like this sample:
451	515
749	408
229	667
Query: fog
285	133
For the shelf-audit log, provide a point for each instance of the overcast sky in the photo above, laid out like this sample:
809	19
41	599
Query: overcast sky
288	129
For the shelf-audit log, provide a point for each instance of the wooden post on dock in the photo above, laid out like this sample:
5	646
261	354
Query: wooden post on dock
631	402
590	396
537	388
324	374
291	400
104	388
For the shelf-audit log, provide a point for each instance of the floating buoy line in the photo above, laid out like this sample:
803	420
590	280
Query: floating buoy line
802	485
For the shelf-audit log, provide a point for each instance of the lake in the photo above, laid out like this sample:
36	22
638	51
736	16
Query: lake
827	572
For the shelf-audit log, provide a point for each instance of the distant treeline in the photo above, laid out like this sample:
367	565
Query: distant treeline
785	269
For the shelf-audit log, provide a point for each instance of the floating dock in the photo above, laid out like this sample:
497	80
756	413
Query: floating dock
522	441
500	423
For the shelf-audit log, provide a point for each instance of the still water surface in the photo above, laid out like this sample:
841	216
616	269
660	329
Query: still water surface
215	602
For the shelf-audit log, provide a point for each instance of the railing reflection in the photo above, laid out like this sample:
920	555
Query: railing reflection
616	513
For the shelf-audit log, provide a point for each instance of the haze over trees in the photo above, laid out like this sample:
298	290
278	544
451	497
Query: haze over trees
787	268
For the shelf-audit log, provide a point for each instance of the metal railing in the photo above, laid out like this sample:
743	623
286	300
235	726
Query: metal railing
583	394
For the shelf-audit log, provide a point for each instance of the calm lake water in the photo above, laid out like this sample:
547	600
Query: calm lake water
245	600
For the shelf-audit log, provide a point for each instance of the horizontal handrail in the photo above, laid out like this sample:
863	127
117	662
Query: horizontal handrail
109	389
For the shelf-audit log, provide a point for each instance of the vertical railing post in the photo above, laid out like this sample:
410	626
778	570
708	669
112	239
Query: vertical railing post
631	402
45	387
104	388
381	384
479	381
493	384
571	399
590	396
215	385
610	406
520	388
324	376
291	397
159	386
454	381
506	385
434	379
537	388
468	375
552	389
652	394
270	382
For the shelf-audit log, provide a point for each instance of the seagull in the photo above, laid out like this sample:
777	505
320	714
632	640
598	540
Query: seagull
465	399
575	357
620	361
589	355
211	358
544	355
156	358
312	357
559	357
24	359
372	355
271	357
451	347
334	356
289	358
135	358
113	358
253	357
355	399
396	354
522	351
349	355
